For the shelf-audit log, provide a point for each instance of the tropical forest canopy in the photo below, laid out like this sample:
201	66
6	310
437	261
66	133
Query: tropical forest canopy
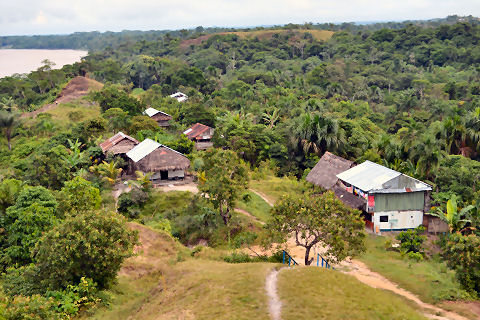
405	95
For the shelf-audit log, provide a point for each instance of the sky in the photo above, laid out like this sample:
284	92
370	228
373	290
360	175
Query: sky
27	17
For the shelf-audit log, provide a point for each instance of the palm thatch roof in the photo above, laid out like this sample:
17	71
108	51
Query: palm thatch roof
325	172
150	156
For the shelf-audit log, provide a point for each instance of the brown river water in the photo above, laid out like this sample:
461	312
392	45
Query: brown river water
27	60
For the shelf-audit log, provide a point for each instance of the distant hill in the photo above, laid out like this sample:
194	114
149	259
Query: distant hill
95	40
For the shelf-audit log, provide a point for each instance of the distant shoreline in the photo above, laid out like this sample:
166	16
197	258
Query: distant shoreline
23	61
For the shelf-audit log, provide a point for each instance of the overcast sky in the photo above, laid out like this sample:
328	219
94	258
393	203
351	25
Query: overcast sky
19	17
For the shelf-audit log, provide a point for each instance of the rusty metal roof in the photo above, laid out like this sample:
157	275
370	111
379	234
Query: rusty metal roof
110	142
196	130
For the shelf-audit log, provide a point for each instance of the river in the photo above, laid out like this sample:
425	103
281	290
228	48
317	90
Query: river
26	60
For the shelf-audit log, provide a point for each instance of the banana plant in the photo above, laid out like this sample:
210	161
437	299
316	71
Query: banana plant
455	217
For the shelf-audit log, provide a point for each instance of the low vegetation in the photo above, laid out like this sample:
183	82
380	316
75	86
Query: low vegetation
324	293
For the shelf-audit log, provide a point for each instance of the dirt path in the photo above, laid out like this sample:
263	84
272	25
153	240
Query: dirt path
274	303
191	187
248	214
263	196
360	271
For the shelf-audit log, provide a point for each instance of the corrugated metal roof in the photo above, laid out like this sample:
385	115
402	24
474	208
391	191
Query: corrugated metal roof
196	130
110	142
151	112
143	149
180	96
368	176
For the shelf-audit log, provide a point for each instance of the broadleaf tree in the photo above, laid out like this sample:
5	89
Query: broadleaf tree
318	220
226	177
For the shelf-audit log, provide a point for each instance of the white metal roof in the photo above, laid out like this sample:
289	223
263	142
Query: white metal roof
143	149
368	176
180	96
151	112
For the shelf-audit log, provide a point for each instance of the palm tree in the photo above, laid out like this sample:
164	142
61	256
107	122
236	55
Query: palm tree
455	218
317	134
108	171
142	181
8	121
428	155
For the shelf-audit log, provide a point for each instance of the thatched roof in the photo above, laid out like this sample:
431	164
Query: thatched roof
349	199
325	172
150	156
119	143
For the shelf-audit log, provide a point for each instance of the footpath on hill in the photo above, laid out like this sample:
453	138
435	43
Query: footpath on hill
350	266
77	88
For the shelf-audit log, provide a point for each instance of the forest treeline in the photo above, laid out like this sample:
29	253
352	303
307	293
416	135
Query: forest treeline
100	40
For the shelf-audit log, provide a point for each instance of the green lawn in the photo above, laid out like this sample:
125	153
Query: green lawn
431	280
315	293
256	206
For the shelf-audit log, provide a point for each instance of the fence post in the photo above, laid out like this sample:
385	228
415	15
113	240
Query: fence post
318	257
283	256
289	260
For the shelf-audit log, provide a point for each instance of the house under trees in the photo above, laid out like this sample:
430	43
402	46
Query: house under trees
389	200
161	117
119	144
163	162
201	135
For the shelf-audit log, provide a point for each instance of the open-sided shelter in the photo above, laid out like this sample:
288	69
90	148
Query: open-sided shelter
165	163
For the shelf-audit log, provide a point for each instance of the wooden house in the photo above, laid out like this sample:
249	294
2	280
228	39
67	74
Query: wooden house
394	201
201	135
119	144
165	163
162	118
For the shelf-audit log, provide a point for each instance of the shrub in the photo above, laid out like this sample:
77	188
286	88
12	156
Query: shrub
462	254
34	307
412	240
91	244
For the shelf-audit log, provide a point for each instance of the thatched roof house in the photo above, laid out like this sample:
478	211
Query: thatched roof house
201	134
162	118
324	174
151	156
118	144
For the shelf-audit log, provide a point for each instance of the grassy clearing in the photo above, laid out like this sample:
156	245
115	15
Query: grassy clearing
266	34
66	113
166	282
314	293
432	281
163	201
274	187
256	206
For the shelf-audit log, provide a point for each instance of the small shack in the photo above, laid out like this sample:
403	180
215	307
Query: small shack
161	117
119	144
394	201
201	134
179	96
165	163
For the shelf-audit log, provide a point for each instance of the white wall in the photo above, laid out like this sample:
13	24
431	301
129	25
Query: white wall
176	174
398	220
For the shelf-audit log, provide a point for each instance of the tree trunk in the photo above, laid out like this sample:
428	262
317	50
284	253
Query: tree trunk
307	255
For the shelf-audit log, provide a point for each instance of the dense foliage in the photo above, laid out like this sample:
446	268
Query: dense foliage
405	95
